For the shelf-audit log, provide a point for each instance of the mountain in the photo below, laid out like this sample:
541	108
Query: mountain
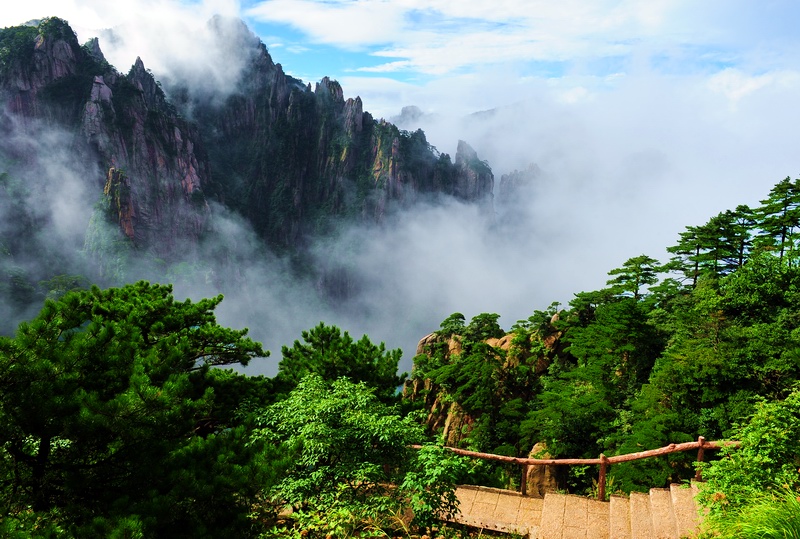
291	159
146	158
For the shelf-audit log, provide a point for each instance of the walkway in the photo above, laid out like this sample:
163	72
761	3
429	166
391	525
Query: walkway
661	514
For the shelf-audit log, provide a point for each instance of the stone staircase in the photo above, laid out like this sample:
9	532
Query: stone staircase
662	514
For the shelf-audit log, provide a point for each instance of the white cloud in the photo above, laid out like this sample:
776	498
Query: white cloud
442	36
350	24
737	85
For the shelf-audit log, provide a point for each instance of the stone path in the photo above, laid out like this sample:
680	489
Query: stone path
498	509
661	514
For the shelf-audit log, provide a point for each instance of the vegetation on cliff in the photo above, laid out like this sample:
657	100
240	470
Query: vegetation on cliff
664	354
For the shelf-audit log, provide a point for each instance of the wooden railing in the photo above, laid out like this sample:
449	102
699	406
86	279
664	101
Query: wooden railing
604	462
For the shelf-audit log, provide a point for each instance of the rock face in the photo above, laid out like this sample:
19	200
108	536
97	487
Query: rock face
475	179
543	479
515	188
511	184
118	123
289	158
292	158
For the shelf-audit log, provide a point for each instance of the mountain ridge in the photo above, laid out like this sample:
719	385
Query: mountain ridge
292	160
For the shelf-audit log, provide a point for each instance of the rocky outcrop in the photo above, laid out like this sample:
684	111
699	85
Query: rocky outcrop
444	414
444	417
292	158
514	192
475	179
543	479
511	184
33	60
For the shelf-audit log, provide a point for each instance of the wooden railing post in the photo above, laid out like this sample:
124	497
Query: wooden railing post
698	475
601	482
523	484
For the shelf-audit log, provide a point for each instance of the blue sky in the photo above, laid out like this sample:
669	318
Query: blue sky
413	41
404	45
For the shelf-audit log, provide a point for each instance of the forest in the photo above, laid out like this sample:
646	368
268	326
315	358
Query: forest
119	416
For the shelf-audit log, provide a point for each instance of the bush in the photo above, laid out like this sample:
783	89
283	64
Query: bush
741	487
349	466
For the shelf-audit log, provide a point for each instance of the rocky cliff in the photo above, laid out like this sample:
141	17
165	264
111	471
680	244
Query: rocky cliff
121	126
292	159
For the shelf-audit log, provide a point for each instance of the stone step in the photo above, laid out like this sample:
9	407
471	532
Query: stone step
660	514
664	524
619	526
641	516
686	515
498	510
566	516
552	516
598	517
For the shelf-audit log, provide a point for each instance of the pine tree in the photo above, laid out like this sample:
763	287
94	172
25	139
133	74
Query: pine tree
105	416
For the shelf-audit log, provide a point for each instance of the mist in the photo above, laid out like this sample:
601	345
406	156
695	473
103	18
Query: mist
627	162
46	203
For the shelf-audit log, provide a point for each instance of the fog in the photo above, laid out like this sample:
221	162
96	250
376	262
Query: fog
627	162
46	202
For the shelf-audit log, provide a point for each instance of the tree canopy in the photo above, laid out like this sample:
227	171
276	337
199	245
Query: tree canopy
105	406
662	354
331	354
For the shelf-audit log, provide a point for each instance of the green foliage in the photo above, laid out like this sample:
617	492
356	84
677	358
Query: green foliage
346	449
482	327
716	248
495	388
332	354
571	416
452	325
430	484
55	28
16	46
769	516
768	459
635	273
617	348
105	405
779	217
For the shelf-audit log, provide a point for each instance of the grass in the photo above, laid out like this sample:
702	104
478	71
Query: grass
773	517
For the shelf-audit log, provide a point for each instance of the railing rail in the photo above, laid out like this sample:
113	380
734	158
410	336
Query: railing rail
603	461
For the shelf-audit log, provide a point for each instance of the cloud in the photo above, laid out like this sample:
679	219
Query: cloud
46	204
443	37
736	85
346	24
